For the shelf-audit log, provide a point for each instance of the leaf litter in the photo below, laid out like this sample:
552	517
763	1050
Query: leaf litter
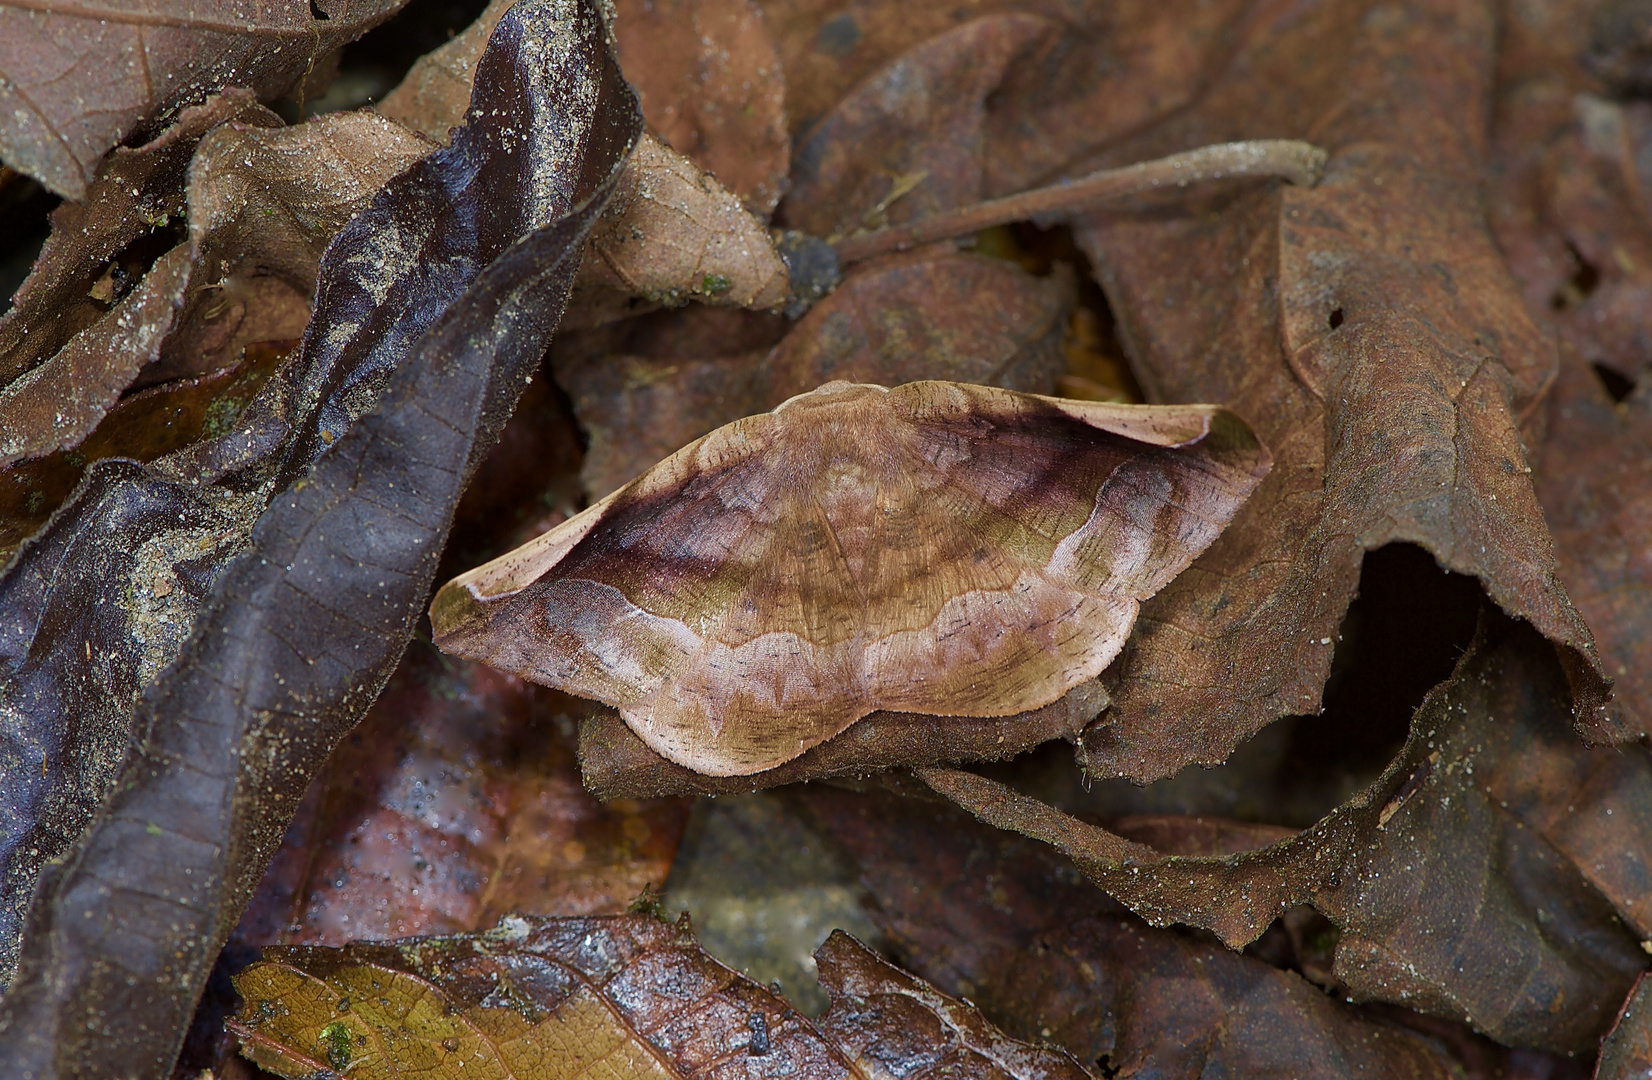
1387	314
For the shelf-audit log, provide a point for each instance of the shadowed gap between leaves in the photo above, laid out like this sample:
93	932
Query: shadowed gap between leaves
1402	636
1097	365
27	208
369	68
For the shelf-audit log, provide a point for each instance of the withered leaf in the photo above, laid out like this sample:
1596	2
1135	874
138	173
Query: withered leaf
455	801
1595	483
909	141
950	316
938	548
1396	419
672	234
628	996
711	86
1495	873
1627	1051
1044	954
80	80
434	306
60	332
261	202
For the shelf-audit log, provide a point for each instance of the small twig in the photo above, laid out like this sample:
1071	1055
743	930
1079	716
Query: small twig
1298	163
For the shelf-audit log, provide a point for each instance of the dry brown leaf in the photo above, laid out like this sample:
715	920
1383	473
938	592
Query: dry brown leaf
711	86
1370	328
930	315
672	234
261	202
909	141
1046	955
79	80
624	996
1489	875
937	548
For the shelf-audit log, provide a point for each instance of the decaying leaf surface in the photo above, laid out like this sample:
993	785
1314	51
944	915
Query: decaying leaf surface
79	80
1393	420
93	310
1627	1051
627	996
435	305
261	201
711	86
455	801
937	548
991	917
1495	873
673	233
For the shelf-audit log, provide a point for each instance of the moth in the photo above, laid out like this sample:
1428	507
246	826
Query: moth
934	548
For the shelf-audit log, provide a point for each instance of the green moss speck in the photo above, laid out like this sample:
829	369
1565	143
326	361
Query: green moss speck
335	1039
714	285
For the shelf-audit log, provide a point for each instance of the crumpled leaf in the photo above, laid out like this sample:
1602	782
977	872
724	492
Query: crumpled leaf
712	88
144	426
98	251
629	996
1495	872
1626	1054
992	917
673	233
1397	419
455	801
421	343
80	80
261	202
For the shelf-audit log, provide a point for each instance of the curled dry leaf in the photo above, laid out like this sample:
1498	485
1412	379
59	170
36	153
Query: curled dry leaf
305	541
1397	420
455	801
80	80
995	918
261	202
672	234
1493	845
938	548
629	996
711	86
93	310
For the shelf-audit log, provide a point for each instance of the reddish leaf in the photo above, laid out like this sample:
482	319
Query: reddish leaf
79	80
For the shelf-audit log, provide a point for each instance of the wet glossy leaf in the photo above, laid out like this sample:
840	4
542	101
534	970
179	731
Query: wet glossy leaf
456	800
1626	1053
255	650
624	996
